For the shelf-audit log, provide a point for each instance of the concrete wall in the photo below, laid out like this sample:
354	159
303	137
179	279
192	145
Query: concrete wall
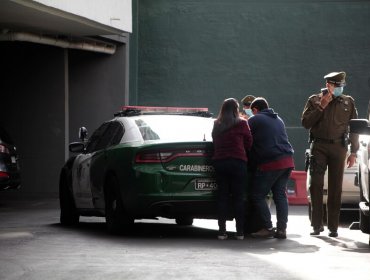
197	53
115	13
97	88
34	83
32	111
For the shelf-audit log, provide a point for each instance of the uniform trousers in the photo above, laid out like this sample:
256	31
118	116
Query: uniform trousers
331	156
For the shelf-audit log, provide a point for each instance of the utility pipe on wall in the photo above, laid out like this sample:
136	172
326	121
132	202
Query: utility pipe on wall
48	40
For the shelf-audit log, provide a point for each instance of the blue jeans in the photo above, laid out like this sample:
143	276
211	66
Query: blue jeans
231	175
274	181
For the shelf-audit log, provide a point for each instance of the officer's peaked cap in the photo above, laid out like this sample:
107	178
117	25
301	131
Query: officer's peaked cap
336	78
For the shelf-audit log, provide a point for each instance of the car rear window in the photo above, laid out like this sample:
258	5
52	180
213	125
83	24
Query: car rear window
175	128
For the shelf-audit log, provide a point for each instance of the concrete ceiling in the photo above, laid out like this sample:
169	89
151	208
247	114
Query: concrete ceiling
30	16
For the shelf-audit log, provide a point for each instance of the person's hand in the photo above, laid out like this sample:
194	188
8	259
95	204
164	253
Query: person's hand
243	116
325	100
351	160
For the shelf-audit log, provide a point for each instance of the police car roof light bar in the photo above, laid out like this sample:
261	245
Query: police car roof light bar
164	109
147	110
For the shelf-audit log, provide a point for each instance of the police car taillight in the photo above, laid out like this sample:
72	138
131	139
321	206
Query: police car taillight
167	156
152	157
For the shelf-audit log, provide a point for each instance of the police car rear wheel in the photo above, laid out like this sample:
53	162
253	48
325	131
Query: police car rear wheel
116	218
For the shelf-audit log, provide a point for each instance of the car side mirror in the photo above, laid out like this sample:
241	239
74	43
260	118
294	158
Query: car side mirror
76	147
82	133
359	126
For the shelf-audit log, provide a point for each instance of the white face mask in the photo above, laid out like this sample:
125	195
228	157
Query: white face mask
248	112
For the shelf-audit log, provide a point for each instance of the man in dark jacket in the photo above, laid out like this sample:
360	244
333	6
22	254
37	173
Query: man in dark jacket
272	155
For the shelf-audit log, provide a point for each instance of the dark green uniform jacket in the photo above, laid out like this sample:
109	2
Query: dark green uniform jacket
332	122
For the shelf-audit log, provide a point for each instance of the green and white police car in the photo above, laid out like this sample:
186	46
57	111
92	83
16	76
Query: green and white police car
146	162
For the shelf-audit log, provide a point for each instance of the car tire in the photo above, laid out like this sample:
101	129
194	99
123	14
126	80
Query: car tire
68	212
116	217
364	220
184	221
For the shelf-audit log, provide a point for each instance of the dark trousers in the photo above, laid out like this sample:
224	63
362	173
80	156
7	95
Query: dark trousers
274	181
231	175
332	156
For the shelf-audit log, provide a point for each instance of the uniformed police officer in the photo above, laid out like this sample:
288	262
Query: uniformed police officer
327	115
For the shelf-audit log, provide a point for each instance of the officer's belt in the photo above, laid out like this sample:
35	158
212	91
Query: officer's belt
327	141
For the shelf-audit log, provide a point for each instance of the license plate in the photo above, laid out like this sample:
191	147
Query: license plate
205	185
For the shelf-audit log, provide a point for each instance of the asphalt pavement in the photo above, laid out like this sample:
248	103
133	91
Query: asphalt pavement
33	245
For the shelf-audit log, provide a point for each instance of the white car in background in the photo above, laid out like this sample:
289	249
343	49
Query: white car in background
362	127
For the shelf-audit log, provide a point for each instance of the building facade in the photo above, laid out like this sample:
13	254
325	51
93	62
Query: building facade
197	53
64	65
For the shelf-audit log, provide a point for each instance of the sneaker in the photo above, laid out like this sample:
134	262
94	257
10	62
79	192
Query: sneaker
264	233
333	234
239	236
222	235
280	234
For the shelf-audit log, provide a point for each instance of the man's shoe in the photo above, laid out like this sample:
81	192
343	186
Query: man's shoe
280	234
316	231
263	233
333	234
222	235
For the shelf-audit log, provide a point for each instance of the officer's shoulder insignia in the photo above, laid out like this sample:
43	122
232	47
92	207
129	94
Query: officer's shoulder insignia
348	98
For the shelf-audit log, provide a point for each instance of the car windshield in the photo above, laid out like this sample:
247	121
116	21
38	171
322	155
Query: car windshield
175	128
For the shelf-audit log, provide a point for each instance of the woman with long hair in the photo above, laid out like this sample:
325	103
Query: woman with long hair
232	139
